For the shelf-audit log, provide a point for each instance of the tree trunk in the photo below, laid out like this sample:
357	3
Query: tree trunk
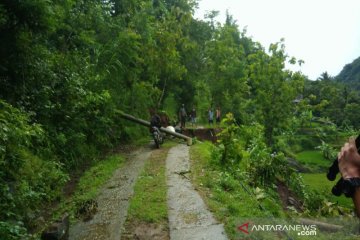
147	124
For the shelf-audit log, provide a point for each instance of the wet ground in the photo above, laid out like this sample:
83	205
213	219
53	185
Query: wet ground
189	217
113	201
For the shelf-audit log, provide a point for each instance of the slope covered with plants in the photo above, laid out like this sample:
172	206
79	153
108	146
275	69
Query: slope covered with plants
350	74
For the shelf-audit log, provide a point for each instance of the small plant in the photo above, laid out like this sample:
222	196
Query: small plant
229	144
328	151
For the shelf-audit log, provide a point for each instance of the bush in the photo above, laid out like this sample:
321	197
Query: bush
245	148
26	179
13	231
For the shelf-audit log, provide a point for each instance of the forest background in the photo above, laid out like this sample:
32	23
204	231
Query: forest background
68	68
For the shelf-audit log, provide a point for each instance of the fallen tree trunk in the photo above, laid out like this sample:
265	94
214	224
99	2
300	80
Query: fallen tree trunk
321	225
147	124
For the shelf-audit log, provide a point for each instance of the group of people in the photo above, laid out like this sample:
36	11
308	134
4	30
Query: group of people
183	116
211	115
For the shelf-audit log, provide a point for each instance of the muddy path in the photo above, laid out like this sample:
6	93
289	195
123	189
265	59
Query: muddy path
113	201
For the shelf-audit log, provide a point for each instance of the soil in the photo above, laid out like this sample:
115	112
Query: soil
203	134
297	166
288	198
113	201
145	231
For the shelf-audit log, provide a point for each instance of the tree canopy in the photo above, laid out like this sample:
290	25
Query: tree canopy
68	67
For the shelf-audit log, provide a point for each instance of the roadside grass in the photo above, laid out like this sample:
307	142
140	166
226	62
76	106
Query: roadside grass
230	202
319	182
148	206
89	185
142	141
234	206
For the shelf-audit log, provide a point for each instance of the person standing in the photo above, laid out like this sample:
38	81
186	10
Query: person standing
193	116
217	115
211	116
182	116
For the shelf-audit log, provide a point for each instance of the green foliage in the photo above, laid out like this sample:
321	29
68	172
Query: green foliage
229	144
226	193
263	167
68	67
315	182
314	159
350	74
256	162
328	151
13	231
273	88
316	195
26	180
335	100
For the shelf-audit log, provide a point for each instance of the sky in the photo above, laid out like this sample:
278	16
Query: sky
323	33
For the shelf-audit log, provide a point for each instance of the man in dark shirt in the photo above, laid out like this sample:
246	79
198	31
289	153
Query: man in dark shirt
182	116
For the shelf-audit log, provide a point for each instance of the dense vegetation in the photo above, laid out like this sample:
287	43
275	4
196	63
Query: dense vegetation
69	67
350	74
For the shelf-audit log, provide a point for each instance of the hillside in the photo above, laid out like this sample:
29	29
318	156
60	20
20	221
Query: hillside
350	74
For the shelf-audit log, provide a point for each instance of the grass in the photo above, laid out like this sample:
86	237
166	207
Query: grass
89	185
319	182
149	202
235	206
142	140
313	159
226	197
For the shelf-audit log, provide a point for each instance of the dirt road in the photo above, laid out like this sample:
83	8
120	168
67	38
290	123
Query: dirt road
113	202
189	217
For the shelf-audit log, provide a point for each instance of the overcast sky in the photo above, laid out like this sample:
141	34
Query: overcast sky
323	33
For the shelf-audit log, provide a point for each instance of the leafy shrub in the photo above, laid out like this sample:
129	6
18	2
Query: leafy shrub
230	147
245	148
228	182
26	180
328	151
13	231
263	167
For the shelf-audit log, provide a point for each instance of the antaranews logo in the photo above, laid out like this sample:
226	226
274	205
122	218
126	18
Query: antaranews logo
300	229
244	228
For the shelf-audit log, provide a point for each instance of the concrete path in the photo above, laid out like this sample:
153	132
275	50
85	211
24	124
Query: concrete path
188	216
113	202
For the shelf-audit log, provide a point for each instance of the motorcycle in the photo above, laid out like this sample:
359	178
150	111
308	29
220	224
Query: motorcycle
157	136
